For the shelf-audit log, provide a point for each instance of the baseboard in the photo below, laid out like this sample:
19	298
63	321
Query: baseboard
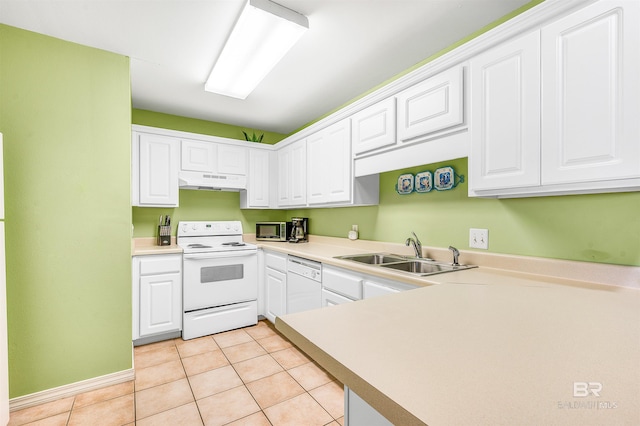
71	389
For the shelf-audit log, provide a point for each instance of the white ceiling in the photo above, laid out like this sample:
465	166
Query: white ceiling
351	46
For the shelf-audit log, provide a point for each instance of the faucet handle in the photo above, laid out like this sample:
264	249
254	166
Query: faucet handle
416	237
456	253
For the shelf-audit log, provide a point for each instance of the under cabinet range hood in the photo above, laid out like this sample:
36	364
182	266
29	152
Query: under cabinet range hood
211	182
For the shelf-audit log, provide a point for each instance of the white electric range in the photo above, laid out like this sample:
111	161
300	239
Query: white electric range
220	278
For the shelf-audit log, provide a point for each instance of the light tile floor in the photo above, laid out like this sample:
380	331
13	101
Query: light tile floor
249	376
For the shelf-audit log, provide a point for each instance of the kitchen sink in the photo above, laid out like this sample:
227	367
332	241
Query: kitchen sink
420	267
374	258
413	266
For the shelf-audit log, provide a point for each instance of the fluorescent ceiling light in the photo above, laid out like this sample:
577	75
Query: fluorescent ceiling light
263	34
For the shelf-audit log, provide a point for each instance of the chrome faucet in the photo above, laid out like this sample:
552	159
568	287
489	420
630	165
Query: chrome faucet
417	245
456	253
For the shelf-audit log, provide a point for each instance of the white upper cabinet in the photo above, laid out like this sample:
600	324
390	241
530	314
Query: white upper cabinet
292	174
591	93
432	105
298	174
257	194
155	163
573	128
198	156
374	127
208	157
505	115
329	178
232	159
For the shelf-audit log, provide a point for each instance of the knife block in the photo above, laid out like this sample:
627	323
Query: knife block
164	235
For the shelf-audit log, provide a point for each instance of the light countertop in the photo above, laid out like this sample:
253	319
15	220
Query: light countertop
500	344
147	246
484	354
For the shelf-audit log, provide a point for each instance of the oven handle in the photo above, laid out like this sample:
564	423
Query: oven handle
219	255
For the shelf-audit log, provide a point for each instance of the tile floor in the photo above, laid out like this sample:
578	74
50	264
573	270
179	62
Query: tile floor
250	376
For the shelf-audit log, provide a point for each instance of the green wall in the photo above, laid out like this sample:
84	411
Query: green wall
595	228
202	205
65	112
203	127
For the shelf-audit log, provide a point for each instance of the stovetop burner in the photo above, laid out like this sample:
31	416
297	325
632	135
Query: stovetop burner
211	237
197	246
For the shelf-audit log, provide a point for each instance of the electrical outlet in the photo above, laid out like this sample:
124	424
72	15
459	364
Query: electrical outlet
479	238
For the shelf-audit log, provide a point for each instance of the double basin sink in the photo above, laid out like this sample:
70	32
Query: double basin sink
411	265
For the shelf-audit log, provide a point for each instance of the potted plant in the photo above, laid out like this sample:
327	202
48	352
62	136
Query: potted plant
253	137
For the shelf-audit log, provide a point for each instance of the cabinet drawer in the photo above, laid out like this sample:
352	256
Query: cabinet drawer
275	261
160	264
344	283
330	298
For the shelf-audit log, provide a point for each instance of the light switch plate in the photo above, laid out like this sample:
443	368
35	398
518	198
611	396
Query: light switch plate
479	238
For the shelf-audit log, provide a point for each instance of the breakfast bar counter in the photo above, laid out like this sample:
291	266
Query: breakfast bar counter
481	353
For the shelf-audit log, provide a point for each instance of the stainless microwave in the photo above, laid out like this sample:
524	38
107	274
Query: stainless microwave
273	231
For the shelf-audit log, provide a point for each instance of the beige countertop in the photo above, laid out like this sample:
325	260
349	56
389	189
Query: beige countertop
148	246
500	344
477	354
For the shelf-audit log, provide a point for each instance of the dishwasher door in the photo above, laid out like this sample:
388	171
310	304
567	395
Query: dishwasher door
304	285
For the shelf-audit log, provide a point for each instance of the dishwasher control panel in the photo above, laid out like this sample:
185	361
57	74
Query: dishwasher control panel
304	267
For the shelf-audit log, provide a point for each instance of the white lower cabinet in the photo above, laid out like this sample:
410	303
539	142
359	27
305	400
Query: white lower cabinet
275	285
341	282
374	286
341	285
330	298
157	295
358	413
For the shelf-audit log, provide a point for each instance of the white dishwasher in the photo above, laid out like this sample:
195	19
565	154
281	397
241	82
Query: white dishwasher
304	284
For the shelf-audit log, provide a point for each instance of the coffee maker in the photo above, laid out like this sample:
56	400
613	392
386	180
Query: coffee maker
299	230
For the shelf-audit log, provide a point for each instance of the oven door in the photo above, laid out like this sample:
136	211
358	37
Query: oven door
221	278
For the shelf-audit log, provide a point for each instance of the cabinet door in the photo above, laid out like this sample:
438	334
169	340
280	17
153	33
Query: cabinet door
258	179
198	156
329	164
505	115
284	172
317	168
160	303
292	174
591	87
298	173
374	127
275	294
232	159
432	105
158	170
338	148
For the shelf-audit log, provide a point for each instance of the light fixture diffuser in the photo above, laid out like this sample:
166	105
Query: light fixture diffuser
263	34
